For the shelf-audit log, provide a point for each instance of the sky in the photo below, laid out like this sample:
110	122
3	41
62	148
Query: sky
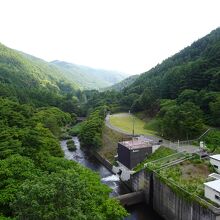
129	36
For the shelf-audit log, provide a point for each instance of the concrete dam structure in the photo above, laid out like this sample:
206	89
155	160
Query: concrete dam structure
169	204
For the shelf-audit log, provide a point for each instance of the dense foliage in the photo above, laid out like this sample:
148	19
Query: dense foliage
212	141
184	120
30	80
71	145
91	130
36	181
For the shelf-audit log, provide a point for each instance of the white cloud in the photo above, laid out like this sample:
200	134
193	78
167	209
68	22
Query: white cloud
125	35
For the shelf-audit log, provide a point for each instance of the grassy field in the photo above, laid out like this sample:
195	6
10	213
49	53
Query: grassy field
124	122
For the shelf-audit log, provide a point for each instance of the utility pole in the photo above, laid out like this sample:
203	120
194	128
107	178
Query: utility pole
133	128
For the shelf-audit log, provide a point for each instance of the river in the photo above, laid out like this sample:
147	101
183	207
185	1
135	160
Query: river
137	212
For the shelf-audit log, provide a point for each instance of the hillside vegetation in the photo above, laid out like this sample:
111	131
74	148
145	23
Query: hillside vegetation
36	102
28	79
36	181
31	80
183	92
123	84
87	77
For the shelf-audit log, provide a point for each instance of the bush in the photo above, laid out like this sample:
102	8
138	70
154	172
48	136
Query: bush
65	136
91	131
212	141
71	145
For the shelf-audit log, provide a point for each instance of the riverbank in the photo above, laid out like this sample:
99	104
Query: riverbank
137	212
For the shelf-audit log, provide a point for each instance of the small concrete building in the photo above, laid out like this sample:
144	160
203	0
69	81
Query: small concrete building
215	161
131	153
212	191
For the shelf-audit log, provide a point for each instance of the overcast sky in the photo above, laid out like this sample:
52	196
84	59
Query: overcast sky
130	36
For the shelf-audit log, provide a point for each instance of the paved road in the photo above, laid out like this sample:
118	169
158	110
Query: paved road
179	147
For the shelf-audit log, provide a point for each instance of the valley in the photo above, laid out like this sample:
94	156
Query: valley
175	105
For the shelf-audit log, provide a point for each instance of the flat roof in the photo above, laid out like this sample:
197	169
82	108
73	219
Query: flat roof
215	185
136	144
215	176
215	157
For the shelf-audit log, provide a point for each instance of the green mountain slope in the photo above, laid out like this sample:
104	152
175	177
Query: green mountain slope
183	91
87	77
123	84
32	80
195	67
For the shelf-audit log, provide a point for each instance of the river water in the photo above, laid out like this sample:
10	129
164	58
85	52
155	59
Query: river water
137	212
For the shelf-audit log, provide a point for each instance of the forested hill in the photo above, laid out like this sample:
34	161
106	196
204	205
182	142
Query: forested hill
87	77
195	67
32	80
186	83
36	181
182	94
123	84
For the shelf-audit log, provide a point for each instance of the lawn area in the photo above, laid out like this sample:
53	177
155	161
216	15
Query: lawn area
124	121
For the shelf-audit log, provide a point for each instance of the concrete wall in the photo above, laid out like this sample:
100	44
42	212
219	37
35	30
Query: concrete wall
123	172
103	161
142	180
215	163
210	194
131	157
138	155
124	155
166	202
172	206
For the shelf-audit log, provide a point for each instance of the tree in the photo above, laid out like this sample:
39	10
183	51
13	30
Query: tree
69	194
183	122
215	111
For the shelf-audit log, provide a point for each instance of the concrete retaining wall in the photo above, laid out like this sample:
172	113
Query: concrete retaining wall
172	206
142	180
103	161
168	203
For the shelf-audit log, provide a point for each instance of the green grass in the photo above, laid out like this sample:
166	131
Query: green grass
75	130
125	123
159	153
